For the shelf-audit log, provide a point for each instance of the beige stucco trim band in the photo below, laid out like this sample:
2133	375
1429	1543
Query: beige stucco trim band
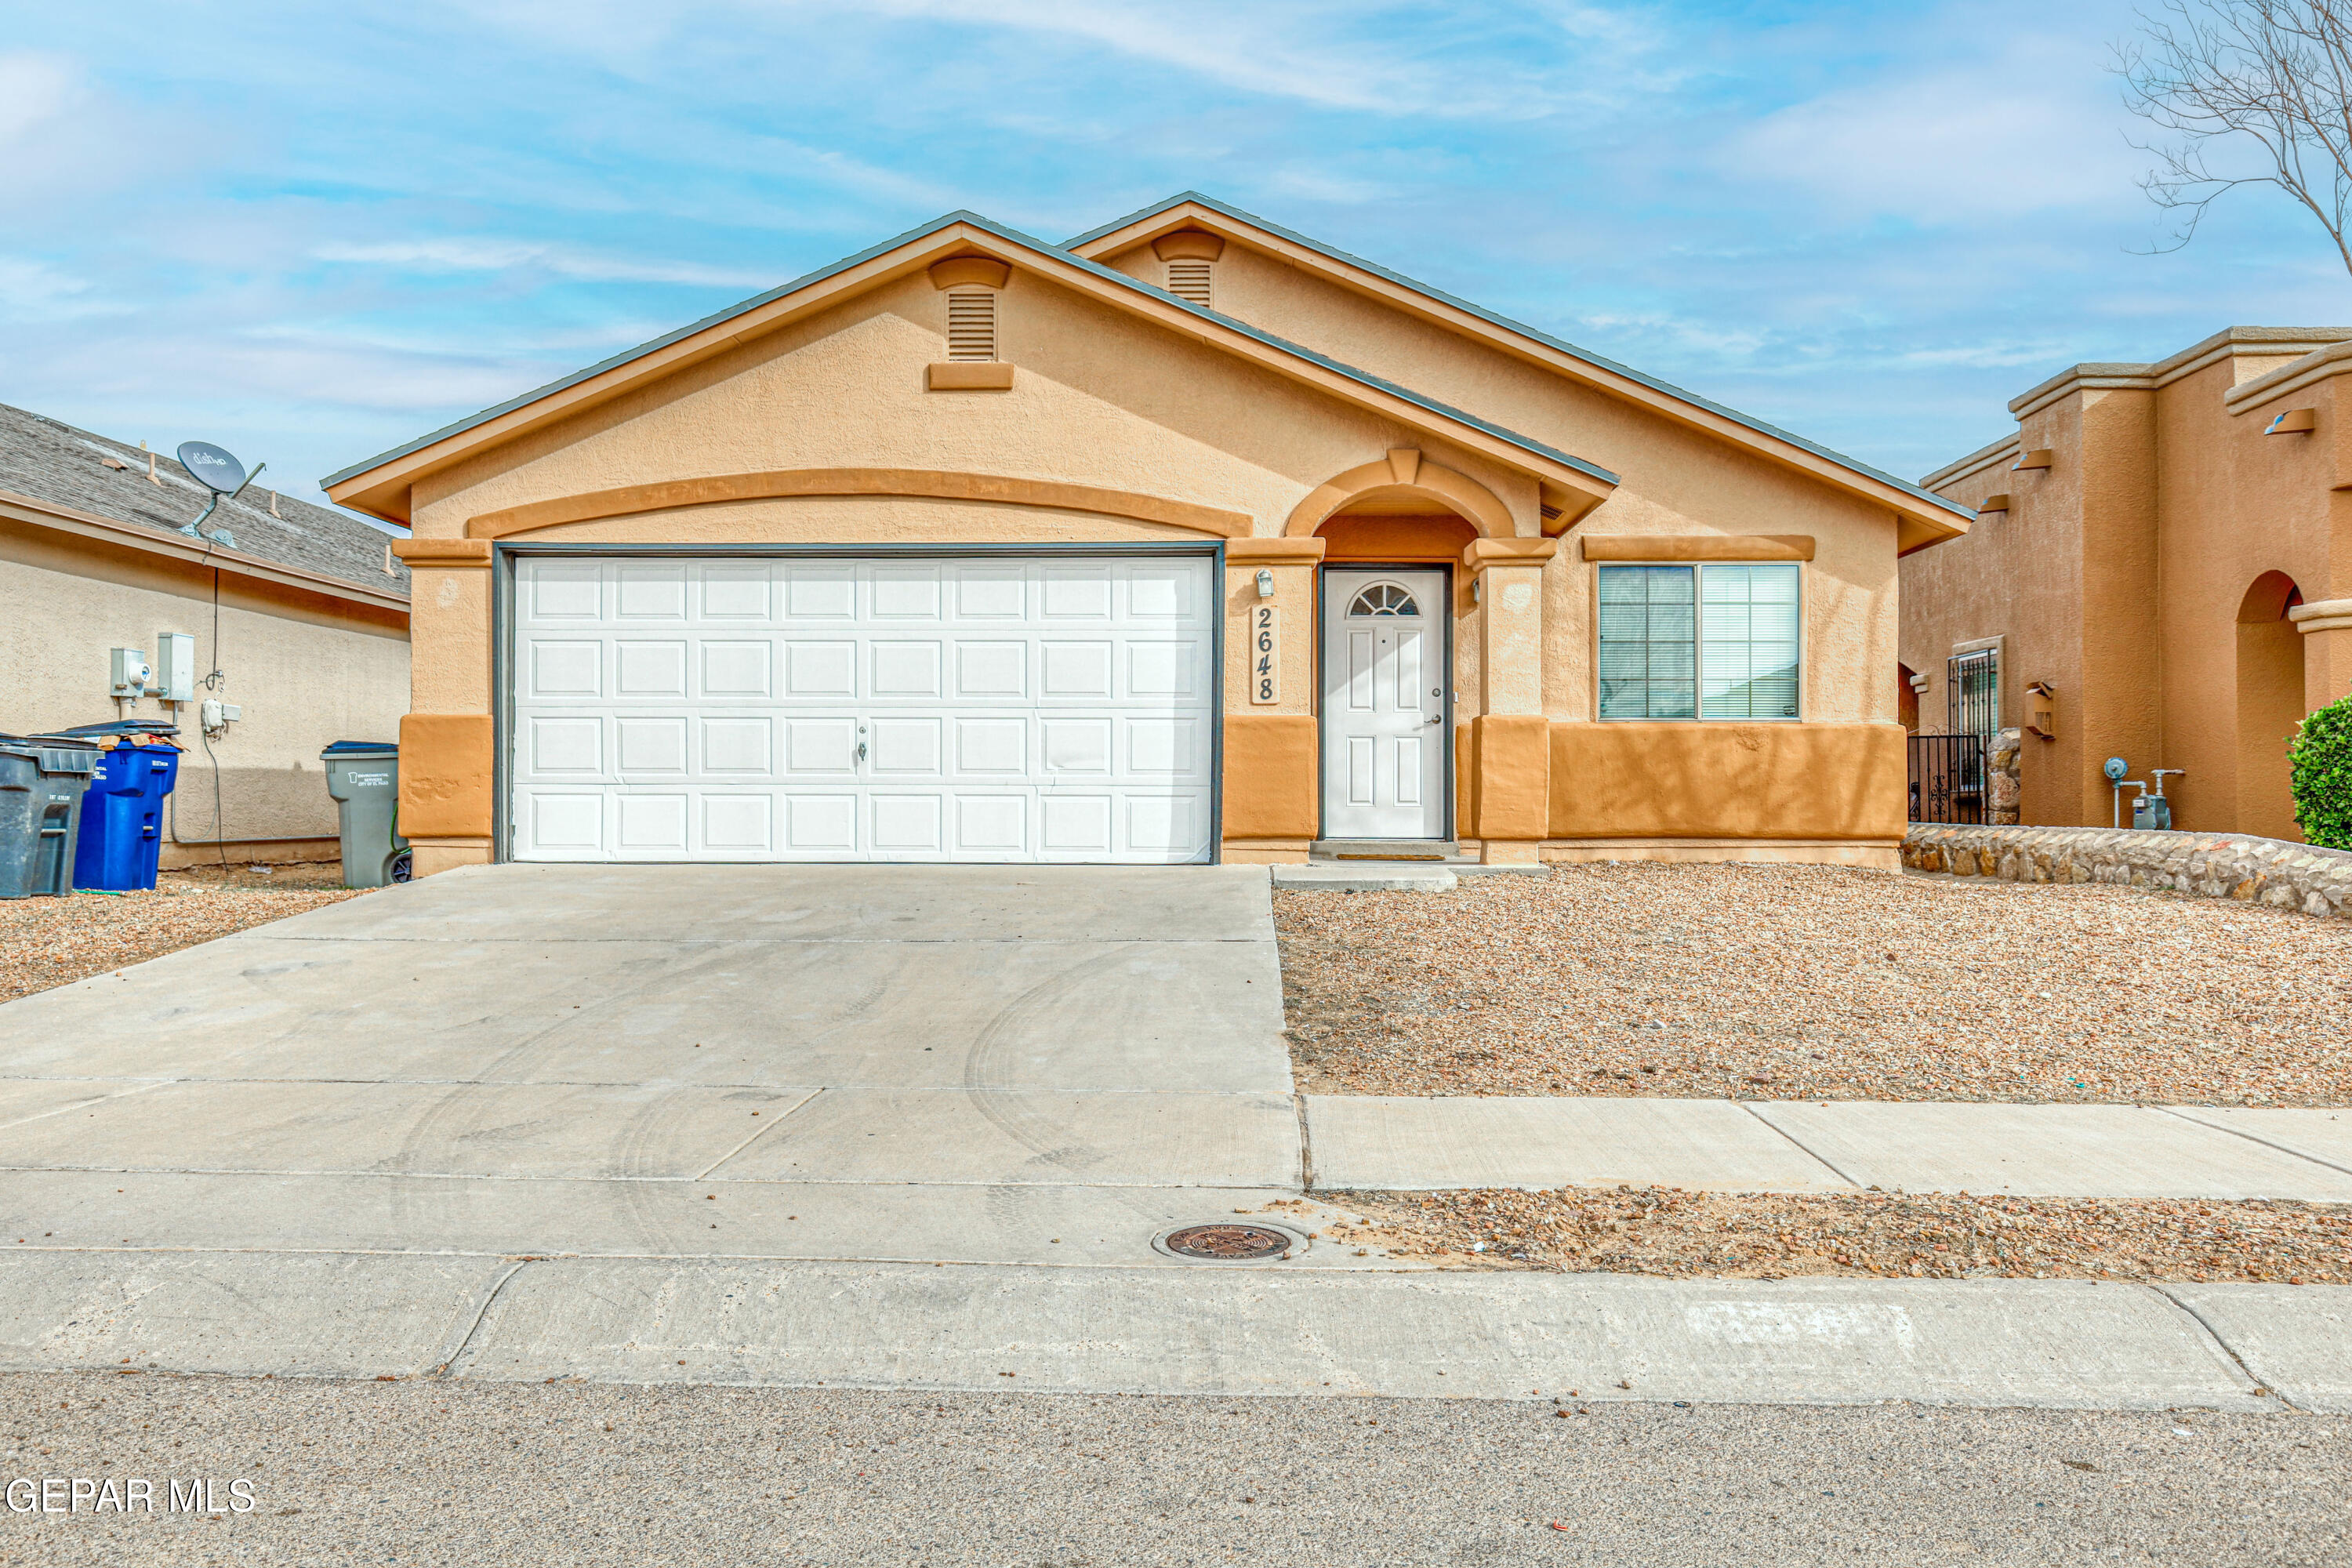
1481	507
933	483
1277	551
2288	379
443	551
1698	547
2325	616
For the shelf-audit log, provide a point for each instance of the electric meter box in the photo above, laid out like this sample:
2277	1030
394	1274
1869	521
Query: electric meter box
175	668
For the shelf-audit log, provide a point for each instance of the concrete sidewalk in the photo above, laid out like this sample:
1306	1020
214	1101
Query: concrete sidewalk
2048	1151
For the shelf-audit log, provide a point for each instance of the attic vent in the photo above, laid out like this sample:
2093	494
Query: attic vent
1188	279
971	324
1550	512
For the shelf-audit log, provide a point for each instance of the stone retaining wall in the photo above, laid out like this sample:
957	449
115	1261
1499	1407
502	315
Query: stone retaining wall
2212	865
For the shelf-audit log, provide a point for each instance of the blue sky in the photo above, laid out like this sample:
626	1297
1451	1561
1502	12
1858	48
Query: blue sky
311	233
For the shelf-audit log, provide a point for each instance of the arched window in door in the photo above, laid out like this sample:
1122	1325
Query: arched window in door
1383	599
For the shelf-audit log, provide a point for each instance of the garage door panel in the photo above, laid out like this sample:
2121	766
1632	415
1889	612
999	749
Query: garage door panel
904	748
571	747
735	669
992	748
565	591
815	746
1075	670
814	671
650	745
653	591
990	672
989	826
907	593
650	827
904	669
649	669
742	745
737	826
736	590
821	826
908	827
817	591
733	709
558	669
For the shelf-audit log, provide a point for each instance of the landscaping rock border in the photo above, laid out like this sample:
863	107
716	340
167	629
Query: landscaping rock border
2267	871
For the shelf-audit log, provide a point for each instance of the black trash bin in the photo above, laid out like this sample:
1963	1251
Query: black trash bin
41	782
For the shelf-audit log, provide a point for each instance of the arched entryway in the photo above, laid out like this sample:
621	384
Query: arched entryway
2270	705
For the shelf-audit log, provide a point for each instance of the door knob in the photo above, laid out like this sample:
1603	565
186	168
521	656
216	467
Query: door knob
1437	719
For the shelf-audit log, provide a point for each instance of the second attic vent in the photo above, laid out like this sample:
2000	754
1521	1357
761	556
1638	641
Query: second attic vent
971	324
1188	279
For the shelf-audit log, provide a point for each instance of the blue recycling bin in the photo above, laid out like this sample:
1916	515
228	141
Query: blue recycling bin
123	819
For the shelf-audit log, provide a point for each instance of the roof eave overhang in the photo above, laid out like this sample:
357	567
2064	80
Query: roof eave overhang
382	485
131	536
1928	517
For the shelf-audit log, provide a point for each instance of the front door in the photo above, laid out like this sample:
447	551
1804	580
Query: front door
1384	704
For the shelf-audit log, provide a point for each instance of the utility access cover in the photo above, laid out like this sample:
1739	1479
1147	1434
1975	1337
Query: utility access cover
1226	1243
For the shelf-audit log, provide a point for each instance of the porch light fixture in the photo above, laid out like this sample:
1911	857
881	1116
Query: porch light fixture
1477	589
1265	583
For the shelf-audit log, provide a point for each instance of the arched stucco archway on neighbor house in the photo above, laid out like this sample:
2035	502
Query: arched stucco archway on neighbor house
2270	705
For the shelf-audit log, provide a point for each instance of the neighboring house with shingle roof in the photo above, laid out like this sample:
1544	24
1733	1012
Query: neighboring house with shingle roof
299	615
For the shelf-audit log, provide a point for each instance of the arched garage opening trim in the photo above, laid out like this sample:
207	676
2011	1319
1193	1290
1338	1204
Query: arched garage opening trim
1405	473
932	483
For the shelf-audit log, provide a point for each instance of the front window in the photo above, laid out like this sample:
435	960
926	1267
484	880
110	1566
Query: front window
1972	692
1716	640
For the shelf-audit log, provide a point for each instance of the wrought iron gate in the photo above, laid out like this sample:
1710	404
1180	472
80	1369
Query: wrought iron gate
1947	778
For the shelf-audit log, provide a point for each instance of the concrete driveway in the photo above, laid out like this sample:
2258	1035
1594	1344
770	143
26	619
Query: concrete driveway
935	1063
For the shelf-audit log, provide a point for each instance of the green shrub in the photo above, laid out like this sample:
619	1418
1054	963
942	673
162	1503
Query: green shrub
2321	754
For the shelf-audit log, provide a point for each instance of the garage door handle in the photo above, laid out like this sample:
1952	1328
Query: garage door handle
861	751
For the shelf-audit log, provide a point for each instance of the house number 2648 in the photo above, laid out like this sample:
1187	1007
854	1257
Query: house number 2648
1265	679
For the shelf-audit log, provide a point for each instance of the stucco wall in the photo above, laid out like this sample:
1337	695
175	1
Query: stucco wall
2119	573
1102	398
1673	479
307	669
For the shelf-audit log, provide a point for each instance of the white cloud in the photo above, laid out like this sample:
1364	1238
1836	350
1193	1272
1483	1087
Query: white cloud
462	254
35	291
2034	126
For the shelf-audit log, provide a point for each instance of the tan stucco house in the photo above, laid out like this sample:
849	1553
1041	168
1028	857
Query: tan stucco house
2160	571
1189	539
296	617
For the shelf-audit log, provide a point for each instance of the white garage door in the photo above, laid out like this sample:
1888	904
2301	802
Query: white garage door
985	709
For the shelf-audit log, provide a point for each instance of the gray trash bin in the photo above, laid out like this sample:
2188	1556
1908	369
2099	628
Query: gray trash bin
41	782
364	778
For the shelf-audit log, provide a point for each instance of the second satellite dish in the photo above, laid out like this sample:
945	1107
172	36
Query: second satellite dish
219	472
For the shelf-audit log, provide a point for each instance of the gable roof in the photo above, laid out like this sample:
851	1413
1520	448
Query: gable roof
1928	517
380	484
73	473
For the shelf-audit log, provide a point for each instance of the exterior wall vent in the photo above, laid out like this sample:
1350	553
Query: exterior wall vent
1188	279
971	324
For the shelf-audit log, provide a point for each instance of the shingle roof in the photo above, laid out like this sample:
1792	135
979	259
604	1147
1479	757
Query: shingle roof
53	462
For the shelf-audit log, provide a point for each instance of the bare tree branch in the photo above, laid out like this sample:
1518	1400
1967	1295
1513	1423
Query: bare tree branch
2264	84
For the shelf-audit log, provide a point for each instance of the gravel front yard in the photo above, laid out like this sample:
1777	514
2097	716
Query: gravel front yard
54	941
1800	981
1683	1234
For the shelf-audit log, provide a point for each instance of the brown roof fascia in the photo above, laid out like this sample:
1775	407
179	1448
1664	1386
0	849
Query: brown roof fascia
383	489
90	525
1920	527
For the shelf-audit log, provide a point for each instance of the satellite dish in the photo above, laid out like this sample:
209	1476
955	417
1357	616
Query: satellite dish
215	469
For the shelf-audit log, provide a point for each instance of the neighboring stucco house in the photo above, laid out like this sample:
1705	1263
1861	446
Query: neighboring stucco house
2162	571
304	616
1189	539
